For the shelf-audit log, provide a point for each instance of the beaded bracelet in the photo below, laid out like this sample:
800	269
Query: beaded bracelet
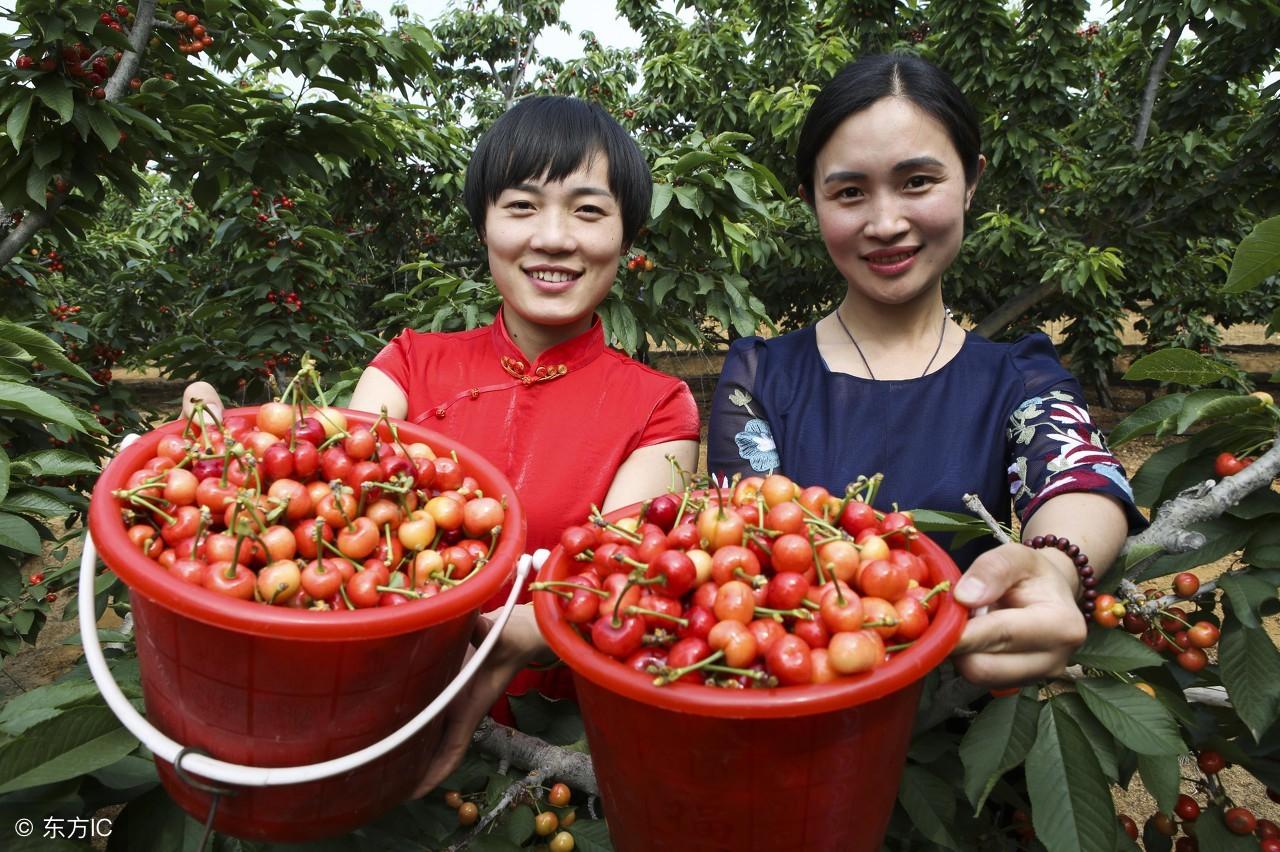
1088	582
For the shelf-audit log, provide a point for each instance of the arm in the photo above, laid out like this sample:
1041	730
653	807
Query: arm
646	473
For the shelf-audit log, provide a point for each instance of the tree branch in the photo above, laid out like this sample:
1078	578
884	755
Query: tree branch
1153	83
1014	308
1202	503
32	221
526	752
143	23
533	779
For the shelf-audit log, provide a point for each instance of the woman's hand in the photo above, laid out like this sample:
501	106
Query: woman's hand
520	645
205	393
1031	624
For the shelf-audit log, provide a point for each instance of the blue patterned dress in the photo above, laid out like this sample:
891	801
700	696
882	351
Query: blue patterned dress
1003	420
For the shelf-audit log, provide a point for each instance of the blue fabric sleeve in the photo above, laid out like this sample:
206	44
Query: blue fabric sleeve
739	437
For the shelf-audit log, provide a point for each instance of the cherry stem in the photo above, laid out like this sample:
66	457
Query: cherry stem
799	613
598	519
139	500
396	590
944	586
637	610
684	503
893	649
884	622
817	564
754	674
753	580
549	585
672	675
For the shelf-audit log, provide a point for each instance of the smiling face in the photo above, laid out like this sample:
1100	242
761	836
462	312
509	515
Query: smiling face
553	252
890	196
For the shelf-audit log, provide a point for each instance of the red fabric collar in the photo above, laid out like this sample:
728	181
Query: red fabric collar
559	359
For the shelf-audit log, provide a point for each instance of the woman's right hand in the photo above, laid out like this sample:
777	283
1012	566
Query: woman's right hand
206	394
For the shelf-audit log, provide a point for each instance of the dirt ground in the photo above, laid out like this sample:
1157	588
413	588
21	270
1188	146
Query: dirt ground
57	649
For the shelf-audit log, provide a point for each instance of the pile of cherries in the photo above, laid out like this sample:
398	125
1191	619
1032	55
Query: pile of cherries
293	507
765	584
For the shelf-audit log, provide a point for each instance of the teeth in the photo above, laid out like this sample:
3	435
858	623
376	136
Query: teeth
897	258
551	277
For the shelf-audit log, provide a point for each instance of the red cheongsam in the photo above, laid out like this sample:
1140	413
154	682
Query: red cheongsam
558	428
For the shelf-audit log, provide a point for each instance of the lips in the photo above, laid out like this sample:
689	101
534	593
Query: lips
552	281
891	261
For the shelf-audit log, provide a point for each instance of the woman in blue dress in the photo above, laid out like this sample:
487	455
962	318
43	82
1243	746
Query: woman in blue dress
889	159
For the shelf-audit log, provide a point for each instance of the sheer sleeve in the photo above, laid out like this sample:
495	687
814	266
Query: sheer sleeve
1054	446
739	438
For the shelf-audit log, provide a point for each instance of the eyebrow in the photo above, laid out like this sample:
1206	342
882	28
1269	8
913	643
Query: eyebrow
903	166
536	189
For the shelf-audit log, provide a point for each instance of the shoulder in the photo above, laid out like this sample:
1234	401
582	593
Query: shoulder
621	365
783	348
411	338
1032	358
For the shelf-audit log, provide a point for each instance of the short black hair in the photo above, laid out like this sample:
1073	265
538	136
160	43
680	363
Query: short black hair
551	137
861	83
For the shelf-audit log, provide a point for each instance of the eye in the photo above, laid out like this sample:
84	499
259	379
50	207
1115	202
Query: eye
591	210
519	205
920	181
849	192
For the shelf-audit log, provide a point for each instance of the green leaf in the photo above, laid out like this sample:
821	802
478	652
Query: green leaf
591	835
1146	418
31	501
4	474
1257	257
1139	723
45	702
1263	548
1160	775
1104	744
1250	668
55	463
78	741
997	740
556	721
16	124
1180	366
1071	805
1149	482
1248	592
47	407
930	803
691	161
1212	402
662	194
129	771
104	128
18	534
517	825
1114	651
56	93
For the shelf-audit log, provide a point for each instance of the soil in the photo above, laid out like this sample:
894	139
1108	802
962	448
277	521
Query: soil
1260	356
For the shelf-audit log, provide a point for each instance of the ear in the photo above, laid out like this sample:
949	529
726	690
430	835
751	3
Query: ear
972	189
804	195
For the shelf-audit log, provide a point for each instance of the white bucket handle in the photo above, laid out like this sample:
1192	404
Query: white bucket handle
266	776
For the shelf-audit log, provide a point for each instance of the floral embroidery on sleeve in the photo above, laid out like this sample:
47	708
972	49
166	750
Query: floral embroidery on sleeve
755	441
1060	451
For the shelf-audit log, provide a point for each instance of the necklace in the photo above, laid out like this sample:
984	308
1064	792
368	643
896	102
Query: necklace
942	333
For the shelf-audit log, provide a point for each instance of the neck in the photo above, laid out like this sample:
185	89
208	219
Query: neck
893	326
533	339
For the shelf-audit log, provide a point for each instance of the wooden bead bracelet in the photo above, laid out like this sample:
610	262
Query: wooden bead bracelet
1088	582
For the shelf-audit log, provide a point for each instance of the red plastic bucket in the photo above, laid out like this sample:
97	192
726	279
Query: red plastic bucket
268	686
694	768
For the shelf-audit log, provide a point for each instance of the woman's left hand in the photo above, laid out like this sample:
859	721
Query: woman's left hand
1031	624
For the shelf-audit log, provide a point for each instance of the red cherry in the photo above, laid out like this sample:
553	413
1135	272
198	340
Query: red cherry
1187	808
1240	820
1210	762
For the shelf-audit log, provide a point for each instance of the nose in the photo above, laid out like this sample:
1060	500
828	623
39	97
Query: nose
552	233
886	218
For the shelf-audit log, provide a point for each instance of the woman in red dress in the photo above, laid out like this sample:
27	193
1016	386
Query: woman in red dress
557	192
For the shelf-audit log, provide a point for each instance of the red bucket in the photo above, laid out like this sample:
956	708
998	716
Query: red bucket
694	768
270	687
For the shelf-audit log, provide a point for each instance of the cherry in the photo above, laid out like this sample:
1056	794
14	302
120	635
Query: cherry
468	813
1128	825
1211	762
545	823
562	842
1226	464
558	795
1193	659
1187	808
1240	820
1203	634
1164	824
1186	584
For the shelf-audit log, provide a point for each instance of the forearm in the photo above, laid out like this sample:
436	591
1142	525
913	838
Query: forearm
1093	522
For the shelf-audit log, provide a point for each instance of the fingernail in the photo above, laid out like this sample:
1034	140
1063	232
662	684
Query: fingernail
970	588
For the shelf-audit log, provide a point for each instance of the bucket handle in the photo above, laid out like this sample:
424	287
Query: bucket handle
168	750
